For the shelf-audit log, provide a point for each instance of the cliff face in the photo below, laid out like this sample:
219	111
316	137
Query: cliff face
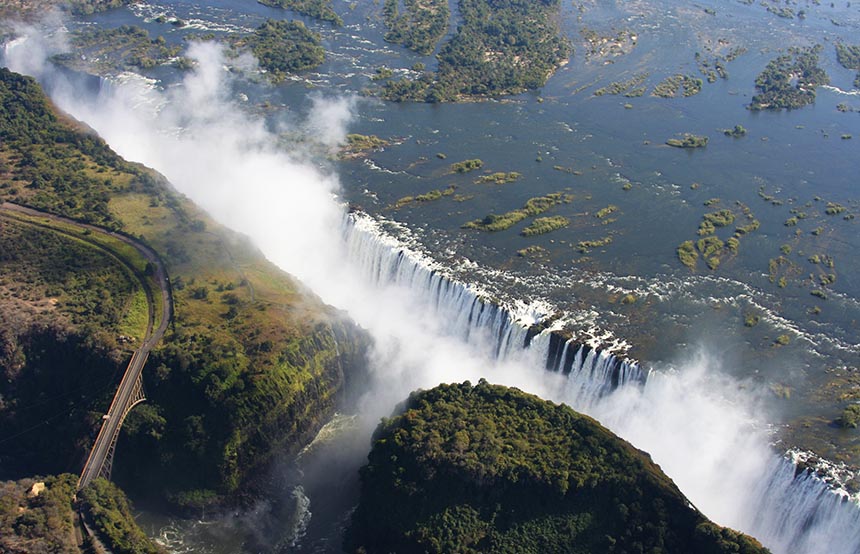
251	367
492	469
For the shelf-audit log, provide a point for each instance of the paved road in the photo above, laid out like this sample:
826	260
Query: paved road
125	393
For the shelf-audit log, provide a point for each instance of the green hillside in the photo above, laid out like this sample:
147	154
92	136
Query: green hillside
491	469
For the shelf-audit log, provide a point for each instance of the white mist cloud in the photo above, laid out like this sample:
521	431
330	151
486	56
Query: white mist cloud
329	119
204	96
35	44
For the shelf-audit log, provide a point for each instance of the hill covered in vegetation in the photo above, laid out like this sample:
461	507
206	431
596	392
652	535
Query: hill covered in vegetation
251	367
489	469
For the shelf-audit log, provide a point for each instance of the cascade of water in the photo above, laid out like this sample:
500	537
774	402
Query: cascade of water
471	313
796	511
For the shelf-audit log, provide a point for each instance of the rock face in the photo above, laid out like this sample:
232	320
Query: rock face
491	469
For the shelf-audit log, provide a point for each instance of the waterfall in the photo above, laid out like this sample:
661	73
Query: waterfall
795	510
468	310
592	373
473	315
792	509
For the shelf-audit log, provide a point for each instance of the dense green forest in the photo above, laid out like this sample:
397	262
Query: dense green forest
251	367
37	523
49	163
849	57
108	509
789	81
502	47
491	469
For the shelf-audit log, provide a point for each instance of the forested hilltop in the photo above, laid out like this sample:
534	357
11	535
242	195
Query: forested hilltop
251	367
486	468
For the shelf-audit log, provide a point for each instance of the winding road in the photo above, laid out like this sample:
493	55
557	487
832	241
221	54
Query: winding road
129	391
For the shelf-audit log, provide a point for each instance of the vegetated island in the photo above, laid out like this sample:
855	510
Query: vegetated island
31	10
543	225
501	47
710	246
608	45
467	165
360	145
670	86
689	141
122	48
789	81
250	369
498	178
713	68
429	196
282	47
585	246
629	88
491	469
737	131
533	206
319	9
420	27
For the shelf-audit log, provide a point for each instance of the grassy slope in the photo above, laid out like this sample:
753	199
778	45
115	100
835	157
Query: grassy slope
492	469
249	366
